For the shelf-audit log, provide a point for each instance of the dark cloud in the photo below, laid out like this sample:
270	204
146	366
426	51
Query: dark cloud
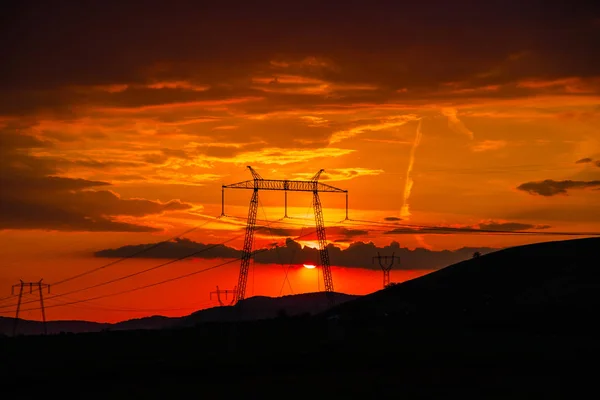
414	45
509	226
155	158
551	187
597	163
357	255
341	233
33	197
393	219
21	141
274	231
175	153
164	155
350	232
482	227
219	151
94	164
128	177
437	230
584	160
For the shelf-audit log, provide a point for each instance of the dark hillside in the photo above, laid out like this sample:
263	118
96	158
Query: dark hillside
529	286
514	324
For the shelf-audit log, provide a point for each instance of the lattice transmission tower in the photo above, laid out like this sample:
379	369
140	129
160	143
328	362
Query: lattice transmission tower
258	183
385	267
227	292
39	287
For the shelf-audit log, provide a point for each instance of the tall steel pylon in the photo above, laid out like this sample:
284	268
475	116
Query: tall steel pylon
385	267
258	183
218	292
39	286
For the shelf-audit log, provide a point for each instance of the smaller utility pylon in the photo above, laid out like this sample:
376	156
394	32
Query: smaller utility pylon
386	267
40	287
218	292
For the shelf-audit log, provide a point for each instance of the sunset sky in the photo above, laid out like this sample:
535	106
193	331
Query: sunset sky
120	121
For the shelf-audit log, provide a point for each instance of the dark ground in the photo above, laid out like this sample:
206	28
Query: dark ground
295	358
477	336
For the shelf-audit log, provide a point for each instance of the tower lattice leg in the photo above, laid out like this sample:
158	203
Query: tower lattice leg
323	253
42	307
386	278
248	242
16	322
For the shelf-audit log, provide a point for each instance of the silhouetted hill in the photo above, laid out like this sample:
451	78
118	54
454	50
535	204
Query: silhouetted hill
513	324
253	308
263	307
530	285
27	327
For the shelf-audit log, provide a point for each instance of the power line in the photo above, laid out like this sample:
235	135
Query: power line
294	250
277	249
418	229
138	272
145	286
94	306
153	284
3	299
465	230
130	256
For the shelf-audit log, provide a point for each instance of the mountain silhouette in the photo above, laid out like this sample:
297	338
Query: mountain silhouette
253	308
511	324
532	286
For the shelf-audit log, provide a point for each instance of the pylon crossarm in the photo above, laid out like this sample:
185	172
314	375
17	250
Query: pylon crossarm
280	184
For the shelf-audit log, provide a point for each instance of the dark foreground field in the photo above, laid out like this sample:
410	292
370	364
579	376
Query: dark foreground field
297	358
463	332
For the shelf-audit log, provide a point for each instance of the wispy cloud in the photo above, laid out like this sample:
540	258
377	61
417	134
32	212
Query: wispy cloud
342	174
386	123
281	156
455	123
488	145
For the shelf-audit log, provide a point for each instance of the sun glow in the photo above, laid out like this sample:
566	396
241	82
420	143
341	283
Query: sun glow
309	266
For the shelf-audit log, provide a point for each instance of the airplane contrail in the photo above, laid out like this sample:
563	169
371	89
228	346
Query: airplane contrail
404	211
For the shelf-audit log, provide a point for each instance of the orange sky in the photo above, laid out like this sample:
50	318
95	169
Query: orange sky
118	126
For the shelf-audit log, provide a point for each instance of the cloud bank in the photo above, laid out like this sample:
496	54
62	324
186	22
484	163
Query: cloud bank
357	255
34	196
550	187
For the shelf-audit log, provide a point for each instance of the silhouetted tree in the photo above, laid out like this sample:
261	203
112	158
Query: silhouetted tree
476	254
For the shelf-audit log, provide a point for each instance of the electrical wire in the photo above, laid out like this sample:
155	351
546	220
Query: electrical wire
4	299
149	285
154	246
141	287
437	230
294	251
413	229
276	249
94	306
138	272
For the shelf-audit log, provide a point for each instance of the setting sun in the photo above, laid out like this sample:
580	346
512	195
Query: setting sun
309	266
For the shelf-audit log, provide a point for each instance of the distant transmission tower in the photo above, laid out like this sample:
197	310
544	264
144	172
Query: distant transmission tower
218	292
386	267
258	183
39	286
